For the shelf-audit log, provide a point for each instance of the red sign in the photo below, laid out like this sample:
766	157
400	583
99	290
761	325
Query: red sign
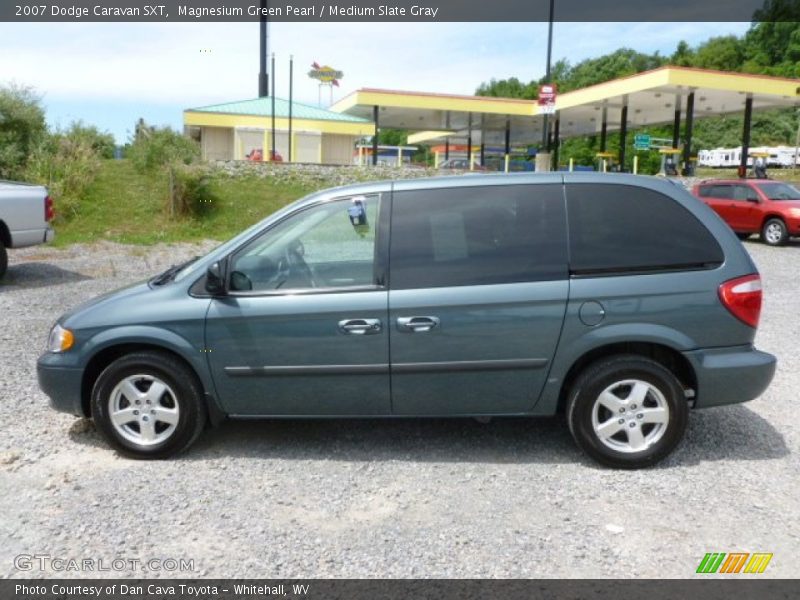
547	94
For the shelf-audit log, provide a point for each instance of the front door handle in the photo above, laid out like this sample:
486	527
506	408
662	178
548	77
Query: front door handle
360	326
417	324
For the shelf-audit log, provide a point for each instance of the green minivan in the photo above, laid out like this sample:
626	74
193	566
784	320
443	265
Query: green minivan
618	301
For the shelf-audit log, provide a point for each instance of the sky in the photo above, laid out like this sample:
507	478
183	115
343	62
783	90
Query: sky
111	74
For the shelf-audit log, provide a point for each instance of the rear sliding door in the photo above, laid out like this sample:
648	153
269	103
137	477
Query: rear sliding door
478	289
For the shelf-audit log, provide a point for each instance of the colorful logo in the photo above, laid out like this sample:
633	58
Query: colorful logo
734	562
325	74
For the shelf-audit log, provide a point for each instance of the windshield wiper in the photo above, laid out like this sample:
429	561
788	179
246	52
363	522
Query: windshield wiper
170	273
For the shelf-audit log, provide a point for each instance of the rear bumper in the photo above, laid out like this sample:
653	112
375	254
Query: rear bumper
32	237
61	384
730	375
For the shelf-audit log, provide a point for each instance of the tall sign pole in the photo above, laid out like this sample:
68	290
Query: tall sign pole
263	76
545	123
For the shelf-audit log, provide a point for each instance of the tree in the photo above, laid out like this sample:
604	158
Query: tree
725	53
22	126
683	55
393	137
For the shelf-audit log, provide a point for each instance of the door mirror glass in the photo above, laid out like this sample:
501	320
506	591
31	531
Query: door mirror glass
358	216
215	283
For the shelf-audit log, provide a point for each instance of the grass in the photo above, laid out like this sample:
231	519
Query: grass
123	205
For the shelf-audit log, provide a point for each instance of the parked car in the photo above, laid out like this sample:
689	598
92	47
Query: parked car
25	215
770	208
459	164
493	295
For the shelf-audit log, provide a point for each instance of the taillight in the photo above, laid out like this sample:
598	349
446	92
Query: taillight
49	211
742	296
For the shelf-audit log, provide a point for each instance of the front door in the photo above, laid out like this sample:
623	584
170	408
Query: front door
745	215
303	330
478	289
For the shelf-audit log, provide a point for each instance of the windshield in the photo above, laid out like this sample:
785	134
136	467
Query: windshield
780	191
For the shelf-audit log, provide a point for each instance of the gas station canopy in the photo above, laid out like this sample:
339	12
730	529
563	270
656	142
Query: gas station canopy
664	95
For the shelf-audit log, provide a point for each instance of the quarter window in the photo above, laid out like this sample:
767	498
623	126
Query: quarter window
620	228
477	236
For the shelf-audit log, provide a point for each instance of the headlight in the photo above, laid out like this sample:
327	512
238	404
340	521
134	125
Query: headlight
60	340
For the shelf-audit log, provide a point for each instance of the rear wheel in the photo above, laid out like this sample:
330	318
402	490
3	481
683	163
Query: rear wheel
3	259
774	232
148	405
627	411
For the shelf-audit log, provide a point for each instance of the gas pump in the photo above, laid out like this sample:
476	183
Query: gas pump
605	161
760	164
669	168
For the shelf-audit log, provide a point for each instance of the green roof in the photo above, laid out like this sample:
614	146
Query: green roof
262	107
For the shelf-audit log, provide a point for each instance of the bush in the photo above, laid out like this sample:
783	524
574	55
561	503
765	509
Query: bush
67	163
190	192
155	148
22	127
102	143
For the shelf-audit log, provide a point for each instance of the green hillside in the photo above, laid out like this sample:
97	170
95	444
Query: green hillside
125	205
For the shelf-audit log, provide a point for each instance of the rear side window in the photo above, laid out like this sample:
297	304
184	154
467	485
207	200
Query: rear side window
704	191
621	228
724	192
477	236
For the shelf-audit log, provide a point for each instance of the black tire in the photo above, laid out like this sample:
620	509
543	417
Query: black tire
183	394
774	232
3	259
606	373
743	236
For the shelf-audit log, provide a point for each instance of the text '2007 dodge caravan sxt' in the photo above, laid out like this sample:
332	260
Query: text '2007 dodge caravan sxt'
619	301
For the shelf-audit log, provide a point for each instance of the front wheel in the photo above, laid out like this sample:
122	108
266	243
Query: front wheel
148	405
774	232
627	411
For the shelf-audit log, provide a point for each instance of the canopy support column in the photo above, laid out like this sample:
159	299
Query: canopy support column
604	130
623	134
748	117
508	143
375	136
469	142
676	126
556	141
687	148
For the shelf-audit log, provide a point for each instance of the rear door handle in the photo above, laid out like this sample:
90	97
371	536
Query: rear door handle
417	324
360	326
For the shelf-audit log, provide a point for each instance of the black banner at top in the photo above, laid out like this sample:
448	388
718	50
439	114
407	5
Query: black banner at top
398	10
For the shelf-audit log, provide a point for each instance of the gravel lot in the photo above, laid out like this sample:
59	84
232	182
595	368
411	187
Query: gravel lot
512	498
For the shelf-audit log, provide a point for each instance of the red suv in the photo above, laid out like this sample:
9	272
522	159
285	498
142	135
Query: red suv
771	208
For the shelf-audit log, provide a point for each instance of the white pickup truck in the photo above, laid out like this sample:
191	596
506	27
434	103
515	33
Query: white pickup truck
25	215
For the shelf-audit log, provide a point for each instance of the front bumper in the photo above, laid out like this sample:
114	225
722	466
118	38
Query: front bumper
61	384
730	375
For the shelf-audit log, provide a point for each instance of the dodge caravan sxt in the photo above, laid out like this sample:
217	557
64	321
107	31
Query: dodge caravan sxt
618	301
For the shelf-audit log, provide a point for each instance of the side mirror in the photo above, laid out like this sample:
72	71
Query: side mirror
753	200
215	282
